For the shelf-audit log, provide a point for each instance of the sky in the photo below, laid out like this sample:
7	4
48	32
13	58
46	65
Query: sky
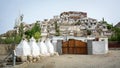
45	9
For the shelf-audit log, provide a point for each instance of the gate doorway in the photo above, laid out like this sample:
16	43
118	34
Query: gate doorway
74	47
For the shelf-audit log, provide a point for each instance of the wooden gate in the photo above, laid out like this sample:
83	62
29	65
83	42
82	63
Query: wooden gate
74	47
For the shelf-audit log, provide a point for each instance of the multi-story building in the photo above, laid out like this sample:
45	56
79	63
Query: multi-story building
96	28
77	23
71	23
44	27
72	16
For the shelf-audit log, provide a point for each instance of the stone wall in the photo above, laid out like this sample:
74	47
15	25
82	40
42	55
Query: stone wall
5	49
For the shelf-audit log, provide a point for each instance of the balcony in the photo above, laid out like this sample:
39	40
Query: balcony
44	34
82	27
108	33
104	29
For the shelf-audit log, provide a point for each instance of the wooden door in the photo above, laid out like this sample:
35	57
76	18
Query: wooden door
74	47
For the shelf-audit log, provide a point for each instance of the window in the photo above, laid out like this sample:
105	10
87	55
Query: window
104	27
91	23
89	26
87	20
51	24
86	23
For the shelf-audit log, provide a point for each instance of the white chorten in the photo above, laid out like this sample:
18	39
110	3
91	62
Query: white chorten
49	46
35	50
23	49
43	48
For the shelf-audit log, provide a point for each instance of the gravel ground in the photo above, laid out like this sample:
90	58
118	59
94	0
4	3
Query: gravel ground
110	60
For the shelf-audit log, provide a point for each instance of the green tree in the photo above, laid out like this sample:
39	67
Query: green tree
21	31
37	35
57	29
9	40
36	27
28	34
17	39
116	34
109	26
34	32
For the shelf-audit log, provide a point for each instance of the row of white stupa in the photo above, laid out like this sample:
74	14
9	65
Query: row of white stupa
34	49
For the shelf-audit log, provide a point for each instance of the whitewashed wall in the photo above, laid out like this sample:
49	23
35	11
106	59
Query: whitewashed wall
106	43
98	47
55	42
94	47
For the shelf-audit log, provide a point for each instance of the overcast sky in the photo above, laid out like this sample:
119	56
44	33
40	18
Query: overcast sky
45	9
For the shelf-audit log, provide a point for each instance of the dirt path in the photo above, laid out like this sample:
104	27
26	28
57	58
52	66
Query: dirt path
110	60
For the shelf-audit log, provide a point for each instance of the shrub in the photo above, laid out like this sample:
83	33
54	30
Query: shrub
17	39
37	35
9	40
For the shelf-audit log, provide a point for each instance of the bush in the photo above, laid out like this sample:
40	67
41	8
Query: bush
112	38
116	34
17	39
9	40
37	36
2	41
34	32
